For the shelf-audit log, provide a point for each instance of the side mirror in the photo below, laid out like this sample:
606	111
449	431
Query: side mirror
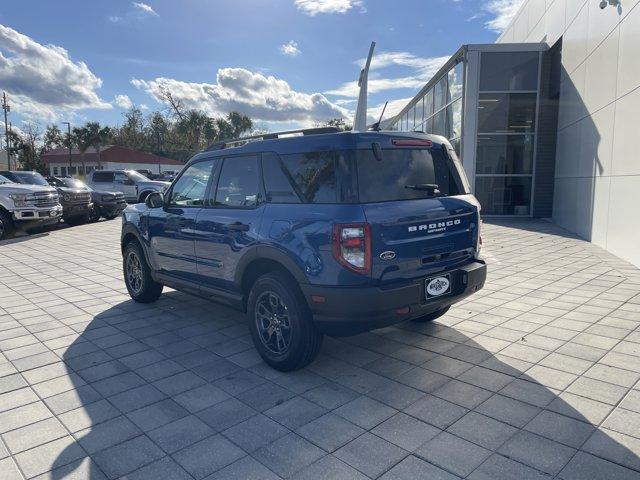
154	200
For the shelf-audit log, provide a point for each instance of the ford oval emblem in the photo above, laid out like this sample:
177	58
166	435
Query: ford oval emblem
388	255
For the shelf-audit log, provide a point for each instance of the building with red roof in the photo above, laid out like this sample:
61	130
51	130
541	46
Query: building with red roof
111	157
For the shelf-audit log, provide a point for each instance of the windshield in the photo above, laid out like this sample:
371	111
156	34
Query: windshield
73	183
31	178
405	174
138	177
4	180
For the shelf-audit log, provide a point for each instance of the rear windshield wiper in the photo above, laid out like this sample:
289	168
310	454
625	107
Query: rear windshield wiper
432	188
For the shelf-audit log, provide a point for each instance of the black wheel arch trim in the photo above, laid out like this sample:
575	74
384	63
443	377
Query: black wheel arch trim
267	252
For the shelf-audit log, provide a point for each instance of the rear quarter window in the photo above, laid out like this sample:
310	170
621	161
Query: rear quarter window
301	177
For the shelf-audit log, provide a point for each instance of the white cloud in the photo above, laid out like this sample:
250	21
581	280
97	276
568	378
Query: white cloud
422	71
290	49
313	7
139	11
144	8
254	94
123	101
41	80
502	12
393	107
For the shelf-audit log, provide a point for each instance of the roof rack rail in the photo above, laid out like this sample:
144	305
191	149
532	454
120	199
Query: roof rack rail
269	136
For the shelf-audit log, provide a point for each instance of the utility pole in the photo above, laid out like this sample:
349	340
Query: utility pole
15	162
68	143
7	109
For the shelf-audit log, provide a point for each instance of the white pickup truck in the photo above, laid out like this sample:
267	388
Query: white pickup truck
25	207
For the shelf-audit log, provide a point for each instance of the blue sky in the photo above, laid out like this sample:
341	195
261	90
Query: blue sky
283	62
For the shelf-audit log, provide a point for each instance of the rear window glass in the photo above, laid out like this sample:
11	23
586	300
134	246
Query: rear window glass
301	177
404	174
103	176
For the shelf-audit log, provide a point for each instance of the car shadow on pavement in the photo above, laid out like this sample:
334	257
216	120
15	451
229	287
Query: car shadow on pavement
176	390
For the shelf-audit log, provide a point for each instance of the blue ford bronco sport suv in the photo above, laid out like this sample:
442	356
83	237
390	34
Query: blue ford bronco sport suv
323	233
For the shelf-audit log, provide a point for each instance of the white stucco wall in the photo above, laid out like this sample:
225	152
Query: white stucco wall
597	186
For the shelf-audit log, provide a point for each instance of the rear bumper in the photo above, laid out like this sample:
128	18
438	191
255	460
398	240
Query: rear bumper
351	310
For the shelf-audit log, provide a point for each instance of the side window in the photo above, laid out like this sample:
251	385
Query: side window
103	177
120	177
238	183
280	185
314	175
191	187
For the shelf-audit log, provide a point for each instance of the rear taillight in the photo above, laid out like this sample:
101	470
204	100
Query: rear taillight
479	242
352	246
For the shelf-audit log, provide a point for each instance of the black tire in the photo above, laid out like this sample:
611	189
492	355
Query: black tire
94	216
140	284
300	339
112	216
429	317
6	226
143	196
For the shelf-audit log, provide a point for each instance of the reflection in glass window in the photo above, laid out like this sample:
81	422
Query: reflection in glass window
440	94
504	195
506	112
189	190
238	184
428	125
428	103
456	75
419	114
454	119
439	123
313	174
504	154
509	71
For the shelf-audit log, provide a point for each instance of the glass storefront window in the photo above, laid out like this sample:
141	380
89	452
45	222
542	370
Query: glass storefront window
504	195
419	114
428	103
506	112
412	118
428	125
455	82
504	154
454	119
501	71
440	94
440	123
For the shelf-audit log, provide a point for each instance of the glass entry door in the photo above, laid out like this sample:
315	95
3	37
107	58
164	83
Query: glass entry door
506	126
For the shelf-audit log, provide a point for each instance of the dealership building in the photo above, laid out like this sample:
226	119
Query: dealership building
544	120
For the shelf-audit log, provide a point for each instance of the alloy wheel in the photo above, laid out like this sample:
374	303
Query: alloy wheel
134	272
273	323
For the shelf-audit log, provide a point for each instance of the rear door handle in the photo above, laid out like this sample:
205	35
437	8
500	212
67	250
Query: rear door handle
238	227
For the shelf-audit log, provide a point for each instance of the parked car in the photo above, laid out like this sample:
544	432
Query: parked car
76	203
326	233
135	186
105	204
26	207
147	173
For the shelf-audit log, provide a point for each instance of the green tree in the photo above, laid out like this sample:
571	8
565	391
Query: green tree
53	138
